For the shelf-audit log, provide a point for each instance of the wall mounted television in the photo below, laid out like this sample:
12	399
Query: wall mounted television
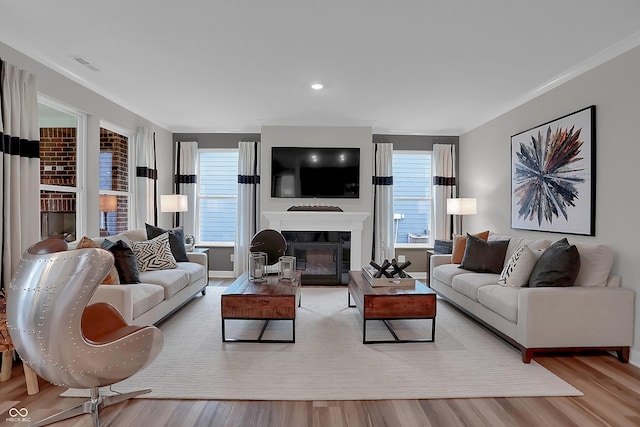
315	172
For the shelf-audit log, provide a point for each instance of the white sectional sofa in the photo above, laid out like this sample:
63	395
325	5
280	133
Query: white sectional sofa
594	313
160	292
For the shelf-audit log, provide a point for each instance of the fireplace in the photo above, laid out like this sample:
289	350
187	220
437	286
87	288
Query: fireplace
322	256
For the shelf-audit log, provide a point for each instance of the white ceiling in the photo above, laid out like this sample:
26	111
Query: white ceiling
401	66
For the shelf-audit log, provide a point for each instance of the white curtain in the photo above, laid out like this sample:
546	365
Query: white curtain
383	238
20	166
146	200
248	203
444	187
185	180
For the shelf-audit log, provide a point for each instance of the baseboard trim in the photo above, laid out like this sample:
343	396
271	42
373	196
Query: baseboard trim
221	274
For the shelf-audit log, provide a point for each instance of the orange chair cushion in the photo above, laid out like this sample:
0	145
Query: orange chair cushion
102	323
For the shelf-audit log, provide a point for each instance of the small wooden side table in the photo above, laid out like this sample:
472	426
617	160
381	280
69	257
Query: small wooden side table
7	349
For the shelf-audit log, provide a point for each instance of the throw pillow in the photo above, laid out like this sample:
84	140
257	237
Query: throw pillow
125	261
176	240
460	244
519	267
482	256
112	277
558	265
154	254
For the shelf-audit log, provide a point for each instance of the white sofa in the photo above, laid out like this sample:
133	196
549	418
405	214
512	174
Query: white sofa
595	313
160	292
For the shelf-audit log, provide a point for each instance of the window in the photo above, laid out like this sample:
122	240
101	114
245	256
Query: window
115	192
412	196
62	132
217	195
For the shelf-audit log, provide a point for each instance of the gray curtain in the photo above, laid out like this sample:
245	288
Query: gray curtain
383	238
20	166
146	200
444	187
248	202
186	179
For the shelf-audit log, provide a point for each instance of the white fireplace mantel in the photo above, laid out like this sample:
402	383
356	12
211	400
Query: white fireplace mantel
323	221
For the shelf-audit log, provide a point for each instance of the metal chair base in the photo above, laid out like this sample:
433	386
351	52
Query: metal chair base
92	407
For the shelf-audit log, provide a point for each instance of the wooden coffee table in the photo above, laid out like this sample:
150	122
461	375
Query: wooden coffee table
268	300
392	302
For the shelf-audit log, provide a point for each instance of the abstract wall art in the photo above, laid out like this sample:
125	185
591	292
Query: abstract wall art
553	175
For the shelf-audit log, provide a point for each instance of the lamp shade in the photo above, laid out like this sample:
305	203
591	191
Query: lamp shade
462	206
173	203
108	203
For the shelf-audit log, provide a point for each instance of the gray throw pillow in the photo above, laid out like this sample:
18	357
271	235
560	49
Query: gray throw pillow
558	265
484	257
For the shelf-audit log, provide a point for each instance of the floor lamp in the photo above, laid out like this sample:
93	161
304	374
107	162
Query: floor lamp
174	203
461	206
108	203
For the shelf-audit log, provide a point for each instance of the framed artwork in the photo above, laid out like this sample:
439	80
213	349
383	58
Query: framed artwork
553	175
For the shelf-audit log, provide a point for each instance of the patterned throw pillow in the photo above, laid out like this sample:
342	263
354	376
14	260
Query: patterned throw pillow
176	240
154	254
519	267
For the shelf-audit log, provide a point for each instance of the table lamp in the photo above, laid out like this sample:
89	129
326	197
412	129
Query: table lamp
108	203
174	203
461	206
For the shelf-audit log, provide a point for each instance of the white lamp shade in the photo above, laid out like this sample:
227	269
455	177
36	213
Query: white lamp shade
462	206
173	203
108	203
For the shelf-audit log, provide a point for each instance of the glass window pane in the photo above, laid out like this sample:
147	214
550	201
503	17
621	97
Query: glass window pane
217	220
114	161
412	196
58	215
58	156
218	189
114	182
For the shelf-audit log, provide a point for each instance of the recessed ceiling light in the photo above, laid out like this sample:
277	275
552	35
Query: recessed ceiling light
317	86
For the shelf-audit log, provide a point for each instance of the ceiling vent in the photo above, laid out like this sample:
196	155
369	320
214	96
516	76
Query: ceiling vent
81	60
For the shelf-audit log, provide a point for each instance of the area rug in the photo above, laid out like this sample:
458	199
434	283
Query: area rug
328	360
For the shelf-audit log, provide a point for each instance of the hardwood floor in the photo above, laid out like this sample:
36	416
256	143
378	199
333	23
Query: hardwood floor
611	398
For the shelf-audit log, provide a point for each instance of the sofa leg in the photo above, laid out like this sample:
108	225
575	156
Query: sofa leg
623	354
527	354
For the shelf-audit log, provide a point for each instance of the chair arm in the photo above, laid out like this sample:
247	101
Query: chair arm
198	258
575	317
119	296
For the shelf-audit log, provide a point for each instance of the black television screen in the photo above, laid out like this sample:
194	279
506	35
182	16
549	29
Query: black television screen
321	172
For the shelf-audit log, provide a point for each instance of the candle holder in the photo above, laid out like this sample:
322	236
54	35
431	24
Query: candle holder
287	268
257	266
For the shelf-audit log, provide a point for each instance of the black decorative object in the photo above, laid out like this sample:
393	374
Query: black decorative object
271	242
396	271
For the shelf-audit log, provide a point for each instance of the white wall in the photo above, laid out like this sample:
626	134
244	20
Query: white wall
62	89
321	136
614	88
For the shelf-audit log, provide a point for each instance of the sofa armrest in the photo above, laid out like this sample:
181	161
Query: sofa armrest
199	258
575	317
439	259
118	296
436	260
